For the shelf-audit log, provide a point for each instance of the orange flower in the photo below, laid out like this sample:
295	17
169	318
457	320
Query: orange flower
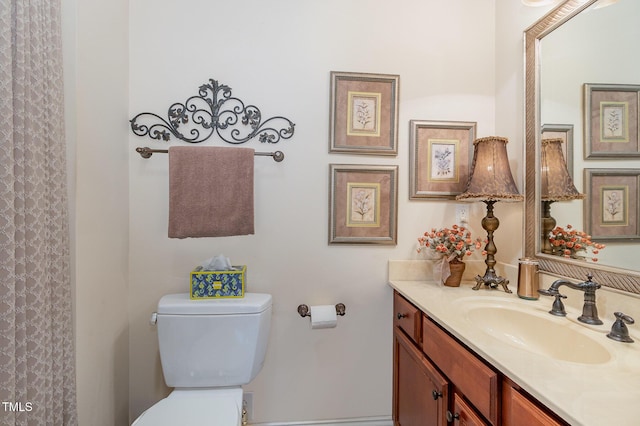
453	242
573	243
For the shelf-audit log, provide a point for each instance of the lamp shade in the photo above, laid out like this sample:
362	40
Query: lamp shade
555	182
490	177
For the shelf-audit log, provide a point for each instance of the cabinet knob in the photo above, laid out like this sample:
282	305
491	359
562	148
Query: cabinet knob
400	316
435	394
451	417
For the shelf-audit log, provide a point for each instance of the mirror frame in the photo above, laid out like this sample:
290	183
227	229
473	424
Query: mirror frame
619	279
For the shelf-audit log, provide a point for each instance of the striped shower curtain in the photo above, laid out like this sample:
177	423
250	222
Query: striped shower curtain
37	365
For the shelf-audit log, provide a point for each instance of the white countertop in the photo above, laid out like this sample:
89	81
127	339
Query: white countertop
583	394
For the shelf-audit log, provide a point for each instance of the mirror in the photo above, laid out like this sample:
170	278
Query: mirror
554	97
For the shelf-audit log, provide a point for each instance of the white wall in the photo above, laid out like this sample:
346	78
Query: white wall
96	91
278	55
457	60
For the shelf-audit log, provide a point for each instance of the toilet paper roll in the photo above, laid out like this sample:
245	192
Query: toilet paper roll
323	316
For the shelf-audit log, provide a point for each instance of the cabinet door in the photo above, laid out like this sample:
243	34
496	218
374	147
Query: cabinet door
517	409
420	393
463	414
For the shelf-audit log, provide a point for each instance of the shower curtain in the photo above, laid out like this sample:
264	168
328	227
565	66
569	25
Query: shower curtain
37	365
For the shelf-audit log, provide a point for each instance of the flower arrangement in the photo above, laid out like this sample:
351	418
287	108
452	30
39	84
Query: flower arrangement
574	244
452	243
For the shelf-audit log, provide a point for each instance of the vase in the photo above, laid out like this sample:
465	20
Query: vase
456	267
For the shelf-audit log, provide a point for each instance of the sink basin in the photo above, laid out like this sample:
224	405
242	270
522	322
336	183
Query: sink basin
531	330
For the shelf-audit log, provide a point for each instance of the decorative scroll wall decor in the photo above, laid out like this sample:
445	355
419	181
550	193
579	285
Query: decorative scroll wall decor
213	109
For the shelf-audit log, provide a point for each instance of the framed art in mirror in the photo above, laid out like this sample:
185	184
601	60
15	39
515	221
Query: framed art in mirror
440	158
611	205
363	117
611	120
564	132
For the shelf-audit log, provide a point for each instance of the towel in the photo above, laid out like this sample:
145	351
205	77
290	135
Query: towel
210	191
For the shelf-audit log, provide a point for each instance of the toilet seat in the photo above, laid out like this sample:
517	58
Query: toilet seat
195	407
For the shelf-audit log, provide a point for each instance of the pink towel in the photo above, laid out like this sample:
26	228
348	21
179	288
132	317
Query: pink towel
210	191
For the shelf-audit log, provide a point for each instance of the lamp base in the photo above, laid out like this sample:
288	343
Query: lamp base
491	280
490	223
548	223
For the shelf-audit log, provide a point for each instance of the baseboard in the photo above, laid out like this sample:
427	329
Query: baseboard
361	421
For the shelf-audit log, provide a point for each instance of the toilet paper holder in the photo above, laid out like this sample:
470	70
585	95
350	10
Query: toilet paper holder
304	310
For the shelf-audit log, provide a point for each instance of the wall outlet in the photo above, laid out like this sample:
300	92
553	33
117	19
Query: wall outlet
462	214
247	407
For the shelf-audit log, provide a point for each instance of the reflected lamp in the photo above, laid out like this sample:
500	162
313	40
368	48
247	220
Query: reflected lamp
490	181
555	185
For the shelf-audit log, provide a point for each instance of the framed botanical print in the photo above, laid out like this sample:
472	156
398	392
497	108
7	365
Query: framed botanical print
440	158
363	204
611	120
364	113
611	204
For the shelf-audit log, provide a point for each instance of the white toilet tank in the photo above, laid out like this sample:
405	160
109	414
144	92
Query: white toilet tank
212	342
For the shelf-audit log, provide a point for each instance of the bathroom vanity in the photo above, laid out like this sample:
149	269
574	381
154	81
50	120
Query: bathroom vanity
422	349
490	358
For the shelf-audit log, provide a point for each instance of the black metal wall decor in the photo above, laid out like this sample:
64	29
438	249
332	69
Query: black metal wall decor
212	109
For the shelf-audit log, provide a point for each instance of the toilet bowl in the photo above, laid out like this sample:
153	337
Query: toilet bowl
195	407
208	349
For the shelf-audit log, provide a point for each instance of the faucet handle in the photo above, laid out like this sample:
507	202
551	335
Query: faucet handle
590	281
624	317
619	330
557	308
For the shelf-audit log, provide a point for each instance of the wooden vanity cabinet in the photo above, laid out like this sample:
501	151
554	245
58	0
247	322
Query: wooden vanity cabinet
519	409
420	392
471	376
464	414
438	381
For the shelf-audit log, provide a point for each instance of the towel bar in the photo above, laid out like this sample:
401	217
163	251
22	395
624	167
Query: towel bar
147	152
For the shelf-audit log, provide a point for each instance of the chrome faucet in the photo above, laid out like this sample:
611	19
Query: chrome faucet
589	309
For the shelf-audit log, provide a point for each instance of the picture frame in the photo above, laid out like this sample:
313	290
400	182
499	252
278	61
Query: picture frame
611	117
440	158
363	117
611	204
363	204
564	132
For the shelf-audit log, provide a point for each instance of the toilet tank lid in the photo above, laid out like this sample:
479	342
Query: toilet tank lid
181	304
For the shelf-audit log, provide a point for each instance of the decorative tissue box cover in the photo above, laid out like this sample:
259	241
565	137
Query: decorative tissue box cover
218	284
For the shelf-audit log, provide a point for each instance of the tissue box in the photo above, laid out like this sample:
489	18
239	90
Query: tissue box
218	284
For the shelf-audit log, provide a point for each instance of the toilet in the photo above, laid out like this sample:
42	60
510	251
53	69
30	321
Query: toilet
208	349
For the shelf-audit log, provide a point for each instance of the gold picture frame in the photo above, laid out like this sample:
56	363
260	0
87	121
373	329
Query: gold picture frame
564	132
440	158
612	116
611	205
363	204
364	113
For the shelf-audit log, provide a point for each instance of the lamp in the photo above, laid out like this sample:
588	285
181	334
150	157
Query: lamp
490	181
555	185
